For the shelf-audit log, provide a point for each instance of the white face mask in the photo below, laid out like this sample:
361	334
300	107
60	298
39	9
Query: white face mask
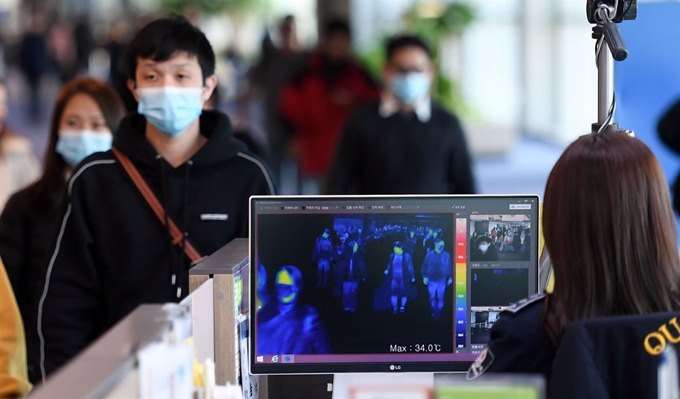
483	247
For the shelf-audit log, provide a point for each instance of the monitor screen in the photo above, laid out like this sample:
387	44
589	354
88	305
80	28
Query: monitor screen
381	284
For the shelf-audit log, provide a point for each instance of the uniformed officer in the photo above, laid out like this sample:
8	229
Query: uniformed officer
606	263
519	343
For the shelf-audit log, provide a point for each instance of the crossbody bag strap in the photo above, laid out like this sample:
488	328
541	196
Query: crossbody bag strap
178	237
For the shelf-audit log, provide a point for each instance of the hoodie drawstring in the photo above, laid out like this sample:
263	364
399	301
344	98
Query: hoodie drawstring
185	211
164	196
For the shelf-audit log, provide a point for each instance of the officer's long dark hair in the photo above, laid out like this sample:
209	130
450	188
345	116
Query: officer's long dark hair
610	232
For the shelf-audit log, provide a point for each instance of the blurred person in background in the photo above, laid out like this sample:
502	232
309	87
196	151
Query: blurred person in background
405	143
119	39
669	133
317	103
34	59
84	42
3	64
62	49
18	165
86	113
279	63
241	131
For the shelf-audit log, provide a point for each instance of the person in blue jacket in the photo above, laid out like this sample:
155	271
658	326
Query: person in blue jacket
288	327
400	275
437	272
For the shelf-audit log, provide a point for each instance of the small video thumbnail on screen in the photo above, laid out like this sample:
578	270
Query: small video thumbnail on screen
500	238
353	283
491	291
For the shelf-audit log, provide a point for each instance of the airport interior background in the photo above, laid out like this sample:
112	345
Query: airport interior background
520	74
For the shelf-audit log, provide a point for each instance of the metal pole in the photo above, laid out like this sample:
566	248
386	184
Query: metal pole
605	82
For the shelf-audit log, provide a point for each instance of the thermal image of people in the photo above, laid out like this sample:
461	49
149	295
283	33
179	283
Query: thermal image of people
410	242
286	326
400	274
323	255
353	273
262	294
437	272
428	237
342	251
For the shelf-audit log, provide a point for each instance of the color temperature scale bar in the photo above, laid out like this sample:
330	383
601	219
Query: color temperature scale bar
461	283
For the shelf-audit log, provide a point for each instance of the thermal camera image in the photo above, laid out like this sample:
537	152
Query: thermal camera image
353	283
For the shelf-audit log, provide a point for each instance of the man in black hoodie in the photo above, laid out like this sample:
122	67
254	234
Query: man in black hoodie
113	253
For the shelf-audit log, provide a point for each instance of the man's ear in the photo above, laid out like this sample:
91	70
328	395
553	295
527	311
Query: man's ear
210	85
133	88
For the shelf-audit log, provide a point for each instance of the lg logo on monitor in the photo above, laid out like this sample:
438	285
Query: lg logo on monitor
395	368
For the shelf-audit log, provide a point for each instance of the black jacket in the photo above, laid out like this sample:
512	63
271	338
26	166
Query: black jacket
519	343
114	254
27	231
608	357
400	154
669	133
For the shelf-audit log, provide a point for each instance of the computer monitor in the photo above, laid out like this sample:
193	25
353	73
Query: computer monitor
384	283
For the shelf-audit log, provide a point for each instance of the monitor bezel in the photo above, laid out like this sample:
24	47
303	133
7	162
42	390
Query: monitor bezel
377	367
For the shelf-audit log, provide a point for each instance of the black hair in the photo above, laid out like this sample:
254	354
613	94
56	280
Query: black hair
401	42
336	26
484	239
398	244
161	39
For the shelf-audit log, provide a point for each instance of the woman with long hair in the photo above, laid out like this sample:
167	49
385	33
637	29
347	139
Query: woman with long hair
610	231
86	113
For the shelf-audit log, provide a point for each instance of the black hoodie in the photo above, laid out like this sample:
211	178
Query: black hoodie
113	254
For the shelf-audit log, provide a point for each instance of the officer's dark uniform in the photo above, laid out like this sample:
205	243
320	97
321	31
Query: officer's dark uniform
519	343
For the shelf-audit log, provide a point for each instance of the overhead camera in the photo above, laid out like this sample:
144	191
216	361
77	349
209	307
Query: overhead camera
620	10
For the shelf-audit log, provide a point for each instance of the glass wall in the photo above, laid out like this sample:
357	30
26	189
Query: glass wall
524	65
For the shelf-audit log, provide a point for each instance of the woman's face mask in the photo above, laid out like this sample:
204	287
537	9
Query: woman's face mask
76	145
170	109
483	247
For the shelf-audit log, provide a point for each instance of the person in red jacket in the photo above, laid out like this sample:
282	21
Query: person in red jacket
317	103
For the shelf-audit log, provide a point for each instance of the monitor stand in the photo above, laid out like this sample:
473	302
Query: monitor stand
342	383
